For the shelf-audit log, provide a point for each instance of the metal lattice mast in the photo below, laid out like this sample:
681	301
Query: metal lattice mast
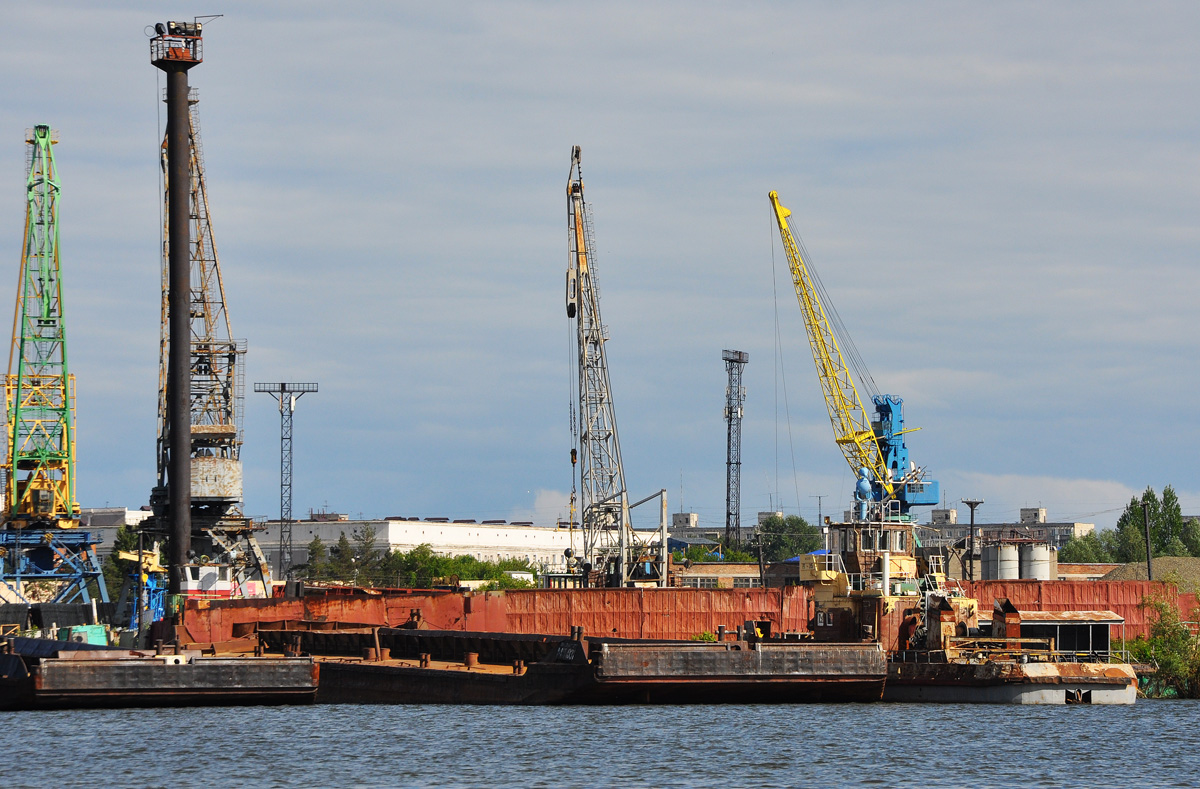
217	390
39	390
604	503
735	397
286	394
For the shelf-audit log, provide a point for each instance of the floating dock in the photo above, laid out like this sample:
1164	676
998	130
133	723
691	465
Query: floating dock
40	673
409	666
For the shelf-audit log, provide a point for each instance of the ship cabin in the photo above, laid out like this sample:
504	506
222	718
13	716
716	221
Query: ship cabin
875	557
867	585
209	581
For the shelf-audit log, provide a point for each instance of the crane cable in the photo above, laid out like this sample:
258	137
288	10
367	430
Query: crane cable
849	350
781	374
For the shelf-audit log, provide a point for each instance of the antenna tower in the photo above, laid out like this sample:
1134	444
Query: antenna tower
735	397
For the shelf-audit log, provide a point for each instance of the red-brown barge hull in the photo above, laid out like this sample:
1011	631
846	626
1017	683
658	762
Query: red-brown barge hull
61	683
431	667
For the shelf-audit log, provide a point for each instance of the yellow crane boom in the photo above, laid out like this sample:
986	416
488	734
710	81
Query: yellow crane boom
851	426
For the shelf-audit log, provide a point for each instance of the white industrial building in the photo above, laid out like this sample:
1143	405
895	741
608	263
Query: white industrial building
492	540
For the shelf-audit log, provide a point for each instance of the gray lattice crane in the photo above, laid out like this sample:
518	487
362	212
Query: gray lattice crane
610	543
201	389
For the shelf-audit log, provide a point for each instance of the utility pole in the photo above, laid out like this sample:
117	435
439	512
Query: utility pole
1149	551
735	397
820	515
286	394
972	503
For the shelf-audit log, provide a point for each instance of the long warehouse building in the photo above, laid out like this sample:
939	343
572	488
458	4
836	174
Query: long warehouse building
491	540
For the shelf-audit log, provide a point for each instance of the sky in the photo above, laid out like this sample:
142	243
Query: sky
1001	200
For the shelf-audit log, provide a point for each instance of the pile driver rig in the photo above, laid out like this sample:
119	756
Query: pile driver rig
204	399
41	546
889	484
610	543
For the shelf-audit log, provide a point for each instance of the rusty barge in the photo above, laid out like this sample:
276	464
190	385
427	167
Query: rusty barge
940	647
38	673
411	666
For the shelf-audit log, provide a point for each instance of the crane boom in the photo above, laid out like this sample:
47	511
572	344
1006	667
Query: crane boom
851	427
604	501
874	448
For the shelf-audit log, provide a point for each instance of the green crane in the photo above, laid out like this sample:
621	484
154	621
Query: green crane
39	390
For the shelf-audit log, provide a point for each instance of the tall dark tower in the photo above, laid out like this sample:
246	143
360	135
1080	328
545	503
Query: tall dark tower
735	396
176	49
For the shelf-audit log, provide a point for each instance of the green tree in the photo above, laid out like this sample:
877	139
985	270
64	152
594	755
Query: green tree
1170	520
1087	549
742	553
341	566
1166	525
421	567
318	560
1172	647
716	553
1109	540
367	557
1191	536
1176	548
783	538
506	582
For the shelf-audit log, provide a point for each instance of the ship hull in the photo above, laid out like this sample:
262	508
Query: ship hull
1011	682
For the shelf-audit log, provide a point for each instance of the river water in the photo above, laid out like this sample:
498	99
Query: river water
1152	743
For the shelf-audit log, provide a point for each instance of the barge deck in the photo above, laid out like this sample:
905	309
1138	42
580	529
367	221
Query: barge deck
451	667
49	674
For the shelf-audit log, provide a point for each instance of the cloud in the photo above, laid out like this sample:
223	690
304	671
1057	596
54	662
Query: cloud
1001	202
548	508
1083	500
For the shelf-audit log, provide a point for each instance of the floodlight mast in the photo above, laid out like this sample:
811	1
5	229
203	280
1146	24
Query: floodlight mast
735	399
286	394
175	51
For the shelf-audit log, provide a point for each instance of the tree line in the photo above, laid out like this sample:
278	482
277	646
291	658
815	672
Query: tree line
781	539
1170	534
356	560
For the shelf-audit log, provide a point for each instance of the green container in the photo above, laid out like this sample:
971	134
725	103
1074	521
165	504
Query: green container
85	634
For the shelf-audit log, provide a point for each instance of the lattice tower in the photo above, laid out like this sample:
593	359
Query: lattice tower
735	398
217	384
217	363
39	390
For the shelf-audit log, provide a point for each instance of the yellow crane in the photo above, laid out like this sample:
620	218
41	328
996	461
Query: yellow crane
874	448
852	428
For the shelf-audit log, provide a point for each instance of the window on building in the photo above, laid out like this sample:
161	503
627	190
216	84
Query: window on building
747	583
700	583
